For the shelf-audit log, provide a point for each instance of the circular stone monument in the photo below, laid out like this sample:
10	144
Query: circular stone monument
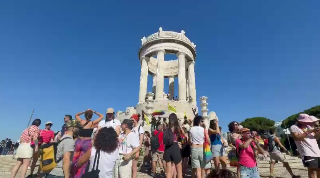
159	44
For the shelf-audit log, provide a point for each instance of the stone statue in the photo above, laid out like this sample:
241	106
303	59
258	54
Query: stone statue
143	40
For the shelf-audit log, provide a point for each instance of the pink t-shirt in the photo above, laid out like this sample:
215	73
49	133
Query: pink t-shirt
46	136
307	147
247	157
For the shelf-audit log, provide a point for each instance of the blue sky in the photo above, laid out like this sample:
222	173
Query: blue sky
254	58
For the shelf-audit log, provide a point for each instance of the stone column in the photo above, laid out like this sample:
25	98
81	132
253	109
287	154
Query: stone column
192	83
182	76
154	83
143	80
160	73
187	85
204	110
171	87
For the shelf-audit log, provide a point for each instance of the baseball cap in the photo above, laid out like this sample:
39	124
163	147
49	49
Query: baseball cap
49	122
245	130
110	111
135	117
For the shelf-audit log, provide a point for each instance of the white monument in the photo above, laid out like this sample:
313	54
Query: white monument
159	44
152	59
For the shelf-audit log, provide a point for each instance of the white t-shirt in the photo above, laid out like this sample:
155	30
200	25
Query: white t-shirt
106	163
307	147
138	131
112	123
197	135
128	143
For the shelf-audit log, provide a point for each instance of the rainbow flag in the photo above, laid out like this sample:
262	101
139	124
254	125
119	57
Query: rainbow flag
171	108
207	152
158	113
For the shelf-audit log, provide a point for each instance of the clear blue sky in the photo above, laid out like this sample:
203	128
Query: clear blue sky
254	58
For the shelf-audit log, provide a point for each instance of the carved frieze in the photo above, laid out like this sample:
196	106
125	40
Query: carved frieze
166	46
170	67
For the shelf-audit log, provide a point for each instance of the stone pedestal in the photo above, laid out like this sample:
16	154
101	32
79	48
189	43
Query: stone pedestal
171	88
149	106
204	110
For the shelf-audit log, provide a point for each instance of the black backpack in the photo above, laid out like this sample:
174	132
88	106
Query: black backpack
168	137
271	143
155	141
94	173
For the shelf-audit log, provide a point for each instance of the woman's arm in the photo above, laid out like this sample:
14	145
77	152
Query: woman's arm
276	139
211	131
78	116
99	119
83	159
298	136
245	144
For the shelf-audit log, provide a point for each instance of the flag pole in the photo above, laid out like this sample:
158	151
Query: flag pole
30	118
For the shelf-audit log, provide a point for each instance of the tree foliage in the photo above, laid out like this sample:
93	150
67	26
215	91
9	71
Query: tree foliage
314	111
259	124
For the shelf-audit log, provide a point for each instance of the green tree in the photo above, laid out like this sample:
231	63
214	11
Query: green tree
259	124
314	111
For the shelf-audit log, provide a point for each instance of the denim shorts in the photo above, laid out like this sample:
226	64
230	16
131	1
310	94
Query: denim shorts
218	151
247	172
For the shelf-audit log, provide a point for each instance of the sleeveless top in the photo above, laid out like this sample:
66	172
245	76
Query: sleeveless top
215	139
85	132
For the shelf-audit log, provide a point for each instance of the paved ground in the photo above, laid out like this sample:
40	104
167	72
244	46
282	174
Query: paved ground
7	162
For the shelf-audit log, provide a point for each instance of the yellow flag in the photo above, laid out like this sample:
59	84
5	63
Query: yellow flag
171	108
185	114
146	119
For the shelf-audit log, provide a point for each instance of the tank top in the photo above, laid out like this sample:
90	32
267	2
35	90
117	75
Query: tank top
85	132
215	139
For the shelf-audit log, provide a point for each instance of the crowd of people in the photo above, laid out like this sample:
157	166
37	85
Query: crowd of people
108	148
7	147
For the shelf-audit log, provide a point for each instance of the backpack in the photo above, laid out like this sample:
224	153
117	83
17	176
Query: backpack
94	173
155	141
48	156
271	143
168	137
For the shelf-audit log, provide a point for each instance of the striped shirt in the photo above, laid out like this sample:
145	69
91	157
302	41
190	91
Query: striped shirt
29	133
